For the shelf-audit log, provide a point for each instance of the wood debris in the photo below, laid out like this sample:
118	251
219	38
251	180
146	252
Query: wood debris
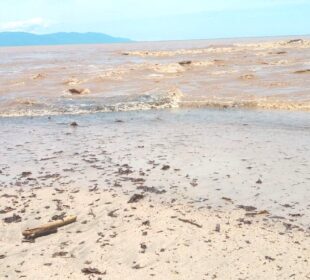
47	228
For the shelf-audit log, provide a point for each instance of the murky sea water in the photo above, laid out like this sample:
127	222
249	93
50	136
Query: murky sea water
54	80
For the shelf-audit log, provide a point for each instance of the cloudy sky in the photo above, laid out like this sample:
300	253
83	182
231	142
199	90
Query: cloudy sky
159	19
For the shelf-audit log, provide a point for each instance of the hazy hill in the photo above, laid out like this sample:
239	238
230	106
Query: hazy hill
62	38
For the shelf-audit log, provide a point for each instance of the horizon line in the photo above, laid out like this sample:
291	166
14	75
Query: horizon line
141	41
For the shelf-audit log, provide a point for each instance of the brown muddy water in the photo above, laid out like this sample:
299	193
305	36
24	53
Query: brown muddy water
257	73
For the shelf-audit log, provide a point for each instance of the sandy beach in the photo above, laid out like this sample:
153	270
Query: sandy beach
159	194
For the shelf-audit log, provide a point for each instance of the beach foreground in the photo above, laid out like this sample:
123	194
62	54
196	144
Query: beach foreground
222	194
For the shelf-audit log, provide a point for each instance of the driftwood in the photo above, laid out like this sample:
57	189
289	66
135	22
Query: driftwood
48	228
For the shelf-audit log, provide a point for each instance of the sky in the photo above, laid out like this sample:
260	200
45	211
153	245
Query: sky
147	20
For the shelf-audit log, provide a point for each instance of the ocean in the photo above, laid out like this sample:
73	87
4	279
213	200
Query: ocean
265	73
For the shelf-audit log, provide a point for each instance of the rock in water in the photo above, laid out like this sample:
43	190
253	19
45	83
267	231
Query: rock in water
79	91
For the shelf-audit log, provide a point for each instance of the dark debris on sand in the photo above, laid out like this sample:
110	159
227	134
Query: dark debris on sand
151	190
90	270
135	198
13	219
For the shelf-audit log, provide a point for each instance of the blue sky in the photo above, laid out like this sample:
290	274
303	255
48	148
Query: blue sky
159	19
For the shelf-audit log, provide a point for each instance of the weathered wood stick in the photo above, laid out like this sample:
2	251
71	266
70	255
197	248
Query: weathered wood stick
48	228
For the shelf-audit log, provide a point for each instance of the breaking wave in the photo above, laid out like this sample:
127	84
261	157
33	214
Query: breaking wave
63	106
247	104
172	99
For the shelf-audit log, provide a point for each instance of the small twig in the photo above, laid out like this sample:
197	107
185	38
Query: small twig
190	222
91	212
112	213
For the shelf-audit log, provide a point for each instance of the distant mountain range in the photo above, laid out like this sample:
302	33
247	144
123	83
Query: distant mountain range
62	38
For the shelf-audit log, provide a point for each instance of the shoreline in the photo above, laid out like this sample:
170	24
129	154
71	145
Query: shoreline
182	106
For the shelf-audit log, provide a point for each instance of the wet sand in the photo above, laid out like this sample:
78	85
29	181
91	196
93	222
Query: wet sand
225	195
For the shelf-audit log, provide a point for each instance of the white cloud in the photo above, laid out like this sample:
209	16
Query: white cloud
30	25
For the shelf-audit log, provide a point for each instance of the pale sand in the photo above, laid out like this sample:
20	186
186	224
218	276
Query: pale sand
211	154
174	250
